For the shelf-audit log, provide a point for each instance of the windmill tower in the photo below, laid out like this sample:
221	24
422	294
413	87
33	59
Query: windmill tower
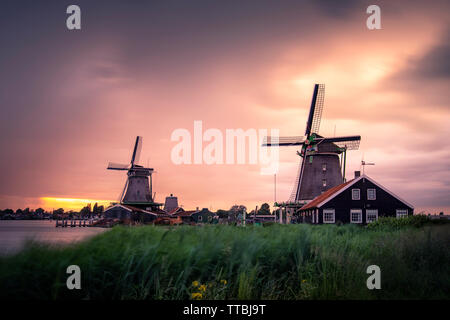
138	188
322	164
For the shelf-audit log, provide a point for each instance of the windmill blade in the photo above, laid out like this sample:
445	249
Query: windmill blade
136	151
118	166
348	142
123	192
318	109
283	141
315	111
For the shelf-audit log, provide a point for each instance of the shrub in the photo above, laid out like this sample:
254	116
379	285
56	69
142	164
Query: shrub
417	221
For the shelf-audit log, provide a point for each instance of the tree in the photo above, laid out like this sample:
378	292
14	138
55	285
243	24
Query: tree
265	209
97	210
222	213
58	211
236	210
86	211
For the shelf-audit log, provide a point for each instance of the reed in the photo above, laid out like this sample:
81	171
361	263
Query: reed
227	262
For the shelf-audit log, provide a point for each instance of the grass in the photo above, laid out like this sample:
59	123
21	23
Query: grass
226	262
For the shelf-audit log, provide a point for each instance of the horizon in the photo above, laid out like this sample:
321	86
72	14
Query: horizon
72	101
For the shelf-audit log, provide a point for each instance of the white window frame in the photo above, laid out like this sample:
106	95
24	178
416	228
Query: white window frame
401	213
329	211
356	211
359	194
374	194
372	212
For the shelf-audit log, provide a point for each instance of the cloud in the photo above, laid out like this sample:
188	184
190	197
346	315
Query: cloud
72	101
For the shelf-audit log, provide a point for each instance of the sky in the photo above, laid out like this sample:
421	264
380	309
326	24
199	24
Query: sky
73	100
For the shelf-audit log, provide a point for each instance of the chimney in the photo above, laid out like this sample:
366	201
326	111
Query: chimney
357	174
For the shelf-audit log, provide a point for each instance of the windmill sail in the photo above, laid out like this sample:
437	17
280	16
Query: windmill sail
318	109
136	151
118	166
315	112
283	141
348	142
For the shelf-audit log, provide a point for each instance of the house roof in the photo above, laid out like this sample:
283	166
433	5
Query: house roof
186	213
319	201
129	208
327	194
174	210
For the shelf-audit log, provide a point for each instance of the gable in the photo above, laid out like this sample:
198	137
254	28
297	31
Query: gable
327	194
356	182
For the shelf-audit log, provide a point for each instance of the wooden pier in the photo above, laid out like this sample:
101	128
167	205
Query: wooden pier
64	223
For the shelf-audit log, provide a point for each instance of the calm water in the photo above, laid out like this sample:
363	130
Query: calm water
14	234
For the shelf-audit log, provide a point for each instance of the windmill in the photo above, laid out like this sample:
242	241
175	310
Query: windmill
323	160
138	188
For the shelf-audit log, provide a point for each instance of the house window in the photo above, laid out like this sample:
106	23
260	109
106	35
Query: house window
324	167
356	194
401	213
324	182
328	216
356	216
371	215
371	194
199	218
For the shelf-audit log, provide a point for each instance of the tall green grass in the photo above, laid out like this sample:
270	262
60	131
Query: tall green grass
226	262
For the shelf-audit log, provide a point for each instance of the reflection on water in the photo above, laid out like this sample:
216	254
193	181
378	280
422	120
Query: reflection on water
14	233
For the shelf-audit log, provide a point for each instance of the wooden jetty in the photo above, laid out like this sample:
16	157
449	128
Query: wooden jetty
64	223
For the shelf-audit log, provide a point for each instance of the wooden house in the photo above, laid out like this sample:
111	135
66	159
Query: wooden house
360	200
196	216
129	213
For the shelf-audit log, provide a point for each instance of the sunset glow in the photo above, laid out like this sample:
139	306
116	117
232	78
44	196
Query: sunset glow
74	101
50	203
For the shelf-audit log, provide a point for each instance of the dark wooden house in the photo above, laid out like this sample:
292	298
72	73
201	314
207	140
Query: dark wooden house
361	201
128	214
196	216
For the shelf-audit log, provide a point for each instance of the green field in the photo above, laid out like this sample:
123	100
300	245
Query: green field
228	262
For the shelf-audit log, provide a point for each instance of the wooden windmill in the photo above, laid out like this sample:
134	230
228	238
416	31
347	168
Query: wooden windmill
138	188
323	160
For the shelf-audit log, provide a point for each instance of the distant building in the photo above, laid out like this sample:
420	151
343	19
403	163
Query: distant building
196	216
129	213
171	203
361	200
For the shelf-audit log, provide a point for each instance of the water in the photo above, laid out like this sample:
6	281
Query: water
14	234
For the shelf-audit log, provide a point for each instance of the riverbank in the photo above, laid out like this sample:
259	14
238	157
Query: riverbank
14	234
